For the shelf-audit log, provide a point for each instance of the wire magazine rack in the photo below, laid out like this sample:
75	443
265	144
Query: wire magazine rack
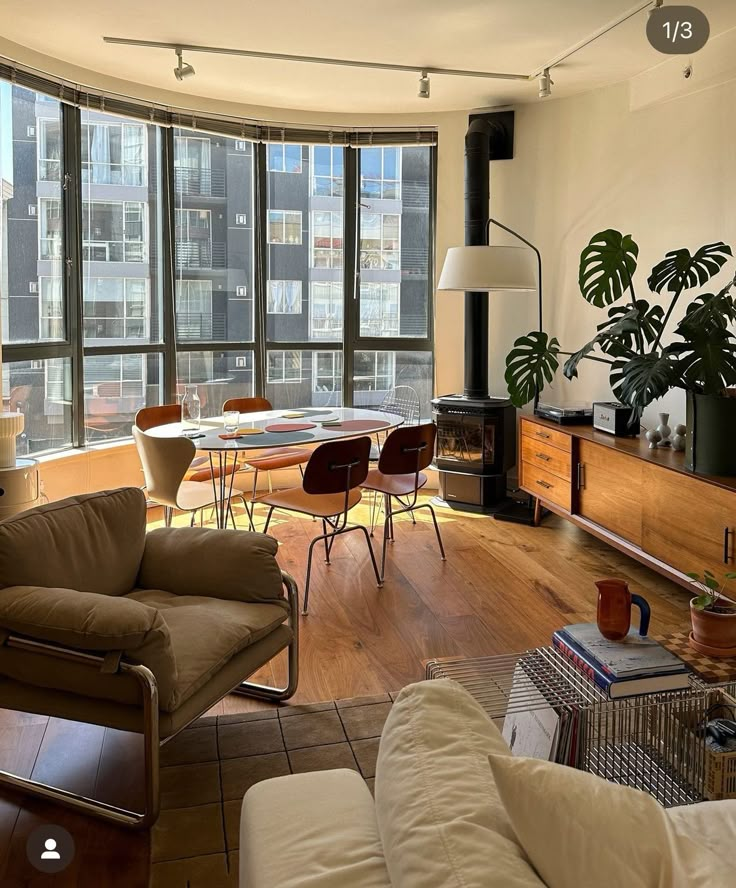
650	742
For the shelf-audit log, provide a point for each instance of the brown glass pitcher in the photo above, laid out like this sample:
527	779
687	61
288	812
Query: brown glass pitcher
614	610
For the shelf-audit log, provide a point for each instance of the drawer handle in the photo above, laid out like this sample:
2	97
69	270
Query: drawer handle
542	435
581	476
545	485
726	534
543	456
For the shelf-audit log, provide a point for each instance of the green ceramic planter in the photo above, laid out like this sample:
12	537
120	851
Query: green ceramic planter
711	435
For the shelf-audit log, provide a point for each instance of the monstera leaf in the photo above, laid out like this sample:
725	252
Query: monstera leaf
647	322
531	363
607	266
706	360
643	379
612	337
710	311
679	270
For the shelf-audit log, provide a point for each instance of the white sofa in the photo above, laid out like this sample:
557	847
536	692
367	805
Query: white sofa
437	819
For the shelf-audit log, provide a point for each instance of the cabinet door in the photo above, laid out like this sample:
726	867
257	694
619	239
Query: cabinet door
687	522
610	490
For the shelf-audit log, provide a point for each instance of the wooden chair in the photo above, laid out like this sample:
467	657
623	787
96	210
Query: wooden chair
165	464
330	489
399	476
273	457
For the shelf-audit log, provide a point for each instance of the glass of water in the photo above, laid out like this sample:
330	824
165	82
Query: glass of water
232	419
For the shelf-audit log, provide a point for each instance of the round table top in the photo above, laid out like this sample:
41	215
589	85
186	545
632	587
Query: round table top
211	428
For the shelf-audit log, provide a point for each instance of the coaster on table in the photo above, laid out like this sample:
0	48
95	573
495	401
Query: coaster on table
294	415
360	425
290	427
240	433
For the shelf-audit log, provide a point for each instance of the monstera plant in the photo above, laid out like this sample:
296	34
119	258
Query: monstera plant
699	357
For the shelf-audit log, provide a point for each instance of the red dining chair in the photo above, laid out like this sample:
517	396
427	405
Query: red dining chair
330	489
399	476
272	458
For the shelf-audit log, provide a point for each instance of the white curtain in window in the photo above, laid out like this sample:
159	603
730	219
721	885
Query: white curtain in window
100	153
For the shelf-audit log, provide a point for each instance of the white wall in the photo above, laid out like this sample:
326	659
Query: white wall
665	173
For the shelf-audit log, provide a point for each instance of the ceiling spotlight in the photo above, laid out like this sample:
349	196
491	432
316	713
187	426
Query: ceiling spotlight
183	69
424	86
545	84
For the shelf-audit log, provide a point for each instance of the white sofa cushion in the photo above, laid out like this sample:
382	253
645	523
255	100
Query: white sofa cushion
315	830
440	818
579	829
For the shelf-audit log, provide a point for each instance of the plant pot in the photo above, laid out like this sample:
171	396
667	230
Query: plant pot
711	438
713	633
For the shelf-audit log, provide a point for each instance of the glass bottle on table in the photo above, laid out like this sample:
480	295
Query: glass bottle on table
191	409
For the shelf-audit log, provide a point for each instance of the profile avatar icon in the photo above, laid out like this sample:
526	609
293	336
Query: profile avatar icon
50	853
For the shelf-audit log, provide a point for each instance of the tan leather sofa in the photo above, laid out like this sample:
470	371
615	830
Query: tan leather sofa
104	623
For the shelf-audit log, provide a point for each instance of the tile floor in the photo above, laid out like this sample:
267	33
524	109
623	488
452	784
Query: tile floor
206	770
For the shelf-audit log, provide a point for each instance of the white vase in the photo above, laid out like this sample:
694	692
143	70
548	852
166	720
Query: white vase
678	439
190	408
654	438
664	430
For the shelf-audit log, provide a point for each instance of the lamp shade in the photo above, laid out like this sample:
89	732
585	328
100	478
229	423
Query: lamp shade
488	268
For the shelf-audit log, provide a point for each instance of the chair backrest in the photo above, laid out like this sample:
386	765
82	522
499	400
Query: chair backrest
408	449
165	462
150	417
337	466
247	405
404	401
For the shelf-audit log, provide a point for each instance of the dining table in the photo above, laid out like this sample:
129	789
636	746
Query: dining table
269	429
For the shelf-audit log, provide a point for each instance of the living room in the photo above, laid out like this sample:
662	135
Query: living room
368	415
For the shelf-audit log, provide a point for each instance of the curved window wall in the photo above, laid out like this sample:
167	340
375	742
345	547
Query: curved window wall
137	258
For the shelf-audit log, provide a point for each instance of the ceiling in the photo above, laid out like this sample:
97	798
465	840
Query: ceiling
516	36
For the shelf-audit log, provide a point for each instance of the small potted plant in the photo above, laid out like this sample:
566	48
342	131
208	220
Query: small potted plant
713	616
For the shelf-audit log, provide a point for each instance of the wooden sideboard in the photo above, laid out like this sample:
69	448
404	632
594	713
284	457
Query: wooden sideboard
644	502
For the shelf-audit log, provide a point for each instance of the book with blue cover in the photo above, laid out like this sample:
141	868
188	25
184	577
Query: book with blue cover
633	657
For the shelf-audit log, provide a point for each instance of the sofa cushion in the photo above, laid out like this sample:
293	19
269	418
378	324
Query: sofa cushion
92	543
439	815
227	564
332	834
85	621
206	633
712	824
579	829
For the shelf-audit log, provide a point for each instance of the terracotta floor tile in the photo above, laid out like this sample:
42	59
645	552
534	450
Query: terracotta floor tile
250	738
313	729
232	824
366	753
239	774
183	786
322	758
362	722
187	832
192	745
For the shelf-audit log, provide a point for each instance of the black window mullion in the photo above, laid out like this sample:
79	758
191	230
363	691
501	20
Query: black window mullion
168	253
351	281
260	269
72	250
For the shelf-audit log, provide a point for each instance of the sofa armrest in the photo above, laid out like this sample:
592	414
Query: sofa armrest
81	620
229	564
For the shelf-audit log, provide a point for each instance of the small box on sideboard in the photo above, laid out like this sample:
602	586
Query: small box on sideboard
612	417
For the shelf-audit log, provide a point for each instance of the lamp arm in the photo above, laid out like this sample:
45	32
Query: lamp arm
531	247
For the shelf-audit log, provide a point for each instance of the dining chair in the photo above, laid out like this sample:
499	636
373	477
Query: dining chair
165	464
330	489
399	476
268	460
165	414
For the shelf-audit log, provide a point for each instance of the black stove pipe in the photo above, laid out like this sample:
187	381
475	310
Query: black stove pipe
477	212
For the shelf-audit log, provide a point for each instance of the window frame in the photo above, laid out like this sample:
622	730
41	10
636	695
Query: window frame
71	248
283	380
273	211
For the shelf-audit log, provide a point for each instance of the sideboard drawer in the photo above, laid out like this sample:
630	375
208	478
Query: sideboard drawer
547	457
546	486
539	432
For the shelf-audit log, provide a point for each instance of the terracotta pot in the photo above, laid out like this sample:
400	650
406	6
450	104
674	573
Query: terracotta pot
713	633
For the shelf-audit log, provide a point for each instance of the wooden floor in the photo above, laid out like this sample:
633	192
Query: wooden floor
504	588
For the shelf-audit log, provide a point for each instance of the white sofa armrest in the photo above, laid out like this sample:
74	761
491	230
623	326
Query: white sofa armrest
315	830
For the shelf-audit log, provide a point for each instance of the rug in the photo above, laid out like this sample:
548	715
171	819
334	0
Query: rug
206	770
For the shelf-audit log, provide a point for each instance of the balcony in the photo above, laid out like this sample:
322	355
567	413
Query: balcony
200	254
201	326
199	183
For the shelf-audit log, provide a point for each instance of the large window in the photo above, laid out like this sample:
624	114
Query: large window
296	271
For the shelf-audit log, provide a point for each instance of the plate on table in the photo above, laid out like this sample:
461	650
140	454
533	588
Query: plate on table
290	427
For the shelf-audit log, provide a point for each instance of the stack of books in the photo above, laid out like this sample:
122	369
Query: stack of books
624	668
